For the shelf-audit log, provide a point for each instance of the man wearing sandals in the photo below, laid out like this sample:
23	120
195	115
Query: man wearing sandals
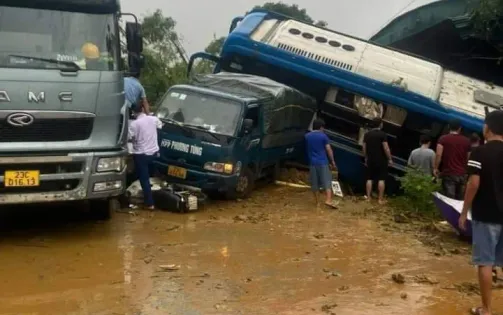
484	195
319	152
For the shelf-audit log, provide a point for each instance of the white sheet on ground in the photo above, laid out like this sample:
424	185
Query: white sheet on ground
456	204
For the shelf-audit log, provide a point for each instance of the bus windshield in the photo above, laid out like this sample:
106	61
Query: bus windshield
47	39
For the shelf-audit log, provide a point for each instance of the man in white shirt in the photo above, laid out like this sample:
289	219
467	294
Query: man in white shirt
143	136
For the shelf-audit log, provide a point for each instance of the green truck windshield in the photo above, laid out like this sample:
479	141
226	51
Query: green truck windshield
57	40
216	115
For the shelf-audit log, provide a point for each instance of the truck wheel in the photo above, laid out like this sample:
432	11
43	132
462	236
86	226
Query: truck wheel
102	209
245	185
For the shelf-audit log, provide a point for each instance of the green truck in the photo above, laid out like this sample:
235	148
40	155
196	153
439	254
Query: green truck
62	133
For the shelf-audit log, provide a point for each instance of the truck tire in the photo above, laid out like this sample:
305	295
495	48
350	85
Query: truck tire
102	209
245	185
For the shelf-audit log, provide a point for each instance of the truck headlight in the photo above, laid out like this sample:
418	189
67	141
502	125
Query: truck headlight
111	164
226	168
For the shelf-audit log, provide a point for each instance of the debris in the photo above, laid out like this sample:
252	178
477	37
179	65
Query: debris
344	288
147	260
220	307
241	218
425	280
319	236
291	184
398	278
327	308
169	267
401	218
172	228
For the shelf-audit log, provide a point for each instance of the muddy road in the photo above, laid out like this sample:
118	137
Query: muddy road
272	254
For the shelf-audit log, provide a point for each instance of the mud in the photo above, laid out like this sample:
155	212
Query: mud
272	254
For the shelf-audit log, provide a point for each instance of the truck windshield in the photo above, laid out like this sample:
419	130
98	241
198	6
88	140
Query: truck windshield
214	114
46	39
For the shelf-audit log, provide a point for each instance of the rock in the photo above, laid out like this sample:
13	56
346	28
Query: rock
344	288
147	260
398	278
327	308
403	296
241	218
326	270
319	236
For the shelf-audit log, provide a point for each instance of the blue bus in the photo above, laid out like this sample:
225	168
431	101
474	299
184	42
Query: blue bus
354	82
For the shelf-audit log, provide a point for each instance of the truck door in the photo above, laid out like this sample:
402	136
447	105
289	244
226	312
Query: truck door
253	138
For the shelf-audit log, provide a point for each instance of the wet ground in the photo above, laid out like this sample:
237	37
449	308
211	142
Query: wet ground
272	254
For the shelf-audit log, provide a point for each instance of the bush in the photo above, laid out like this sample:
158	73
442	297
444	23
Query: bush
418	188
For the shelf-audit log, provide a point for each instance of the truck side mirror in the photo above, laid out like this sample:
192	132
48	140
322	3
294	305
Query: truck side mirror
134	38
247	125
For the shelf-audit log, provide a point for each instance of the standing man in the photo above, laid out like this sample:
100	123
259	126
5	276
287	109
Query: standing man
484	195
377	159
452	152
135	93
320	152
423	158
143	136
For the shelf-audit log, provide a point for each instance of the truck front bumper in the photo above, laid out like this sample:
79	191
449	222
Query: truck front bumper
63	178
205	180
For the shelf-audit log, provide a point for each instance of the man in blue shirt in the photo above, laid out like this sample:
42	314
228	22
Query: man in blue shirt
320	152
135	93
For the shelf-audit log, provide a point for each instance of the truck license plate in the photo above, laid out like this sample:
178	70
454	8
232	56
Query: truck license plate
176	171
22	178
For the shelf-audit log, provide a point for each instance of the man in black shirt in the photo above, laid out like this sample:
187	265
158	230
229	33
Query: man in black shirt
377	159
484	195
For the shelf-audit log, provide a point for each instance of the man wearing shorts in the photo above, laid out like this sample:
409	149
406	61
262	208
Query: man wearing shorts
319	152
377	159
484	195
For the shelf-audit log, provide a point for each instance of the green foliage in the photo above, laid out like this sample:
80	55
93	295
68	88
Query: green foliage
290	10
418	188
487	17
215	46
164	64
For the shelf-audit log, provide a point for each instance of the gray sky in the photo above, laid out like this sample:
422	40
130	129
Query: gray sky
198	20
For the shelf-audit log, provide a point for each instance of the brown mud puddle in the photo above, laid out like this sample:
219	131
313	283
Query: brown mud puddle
272	254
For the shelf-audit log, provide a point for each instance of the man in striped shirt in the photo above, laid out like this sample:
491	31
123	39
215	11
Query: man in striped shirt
484	195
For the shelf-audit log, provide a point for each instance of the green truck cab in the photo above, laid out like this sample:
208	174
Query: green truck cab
224	131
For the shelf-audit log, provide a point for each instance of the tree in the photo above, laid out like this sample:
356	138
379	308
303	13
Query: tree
488	17
290	10
293	11
164	58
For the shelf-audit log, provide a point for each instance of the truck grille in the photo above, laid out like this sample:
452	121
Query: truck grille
45	168
51	168
45	186
45	130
